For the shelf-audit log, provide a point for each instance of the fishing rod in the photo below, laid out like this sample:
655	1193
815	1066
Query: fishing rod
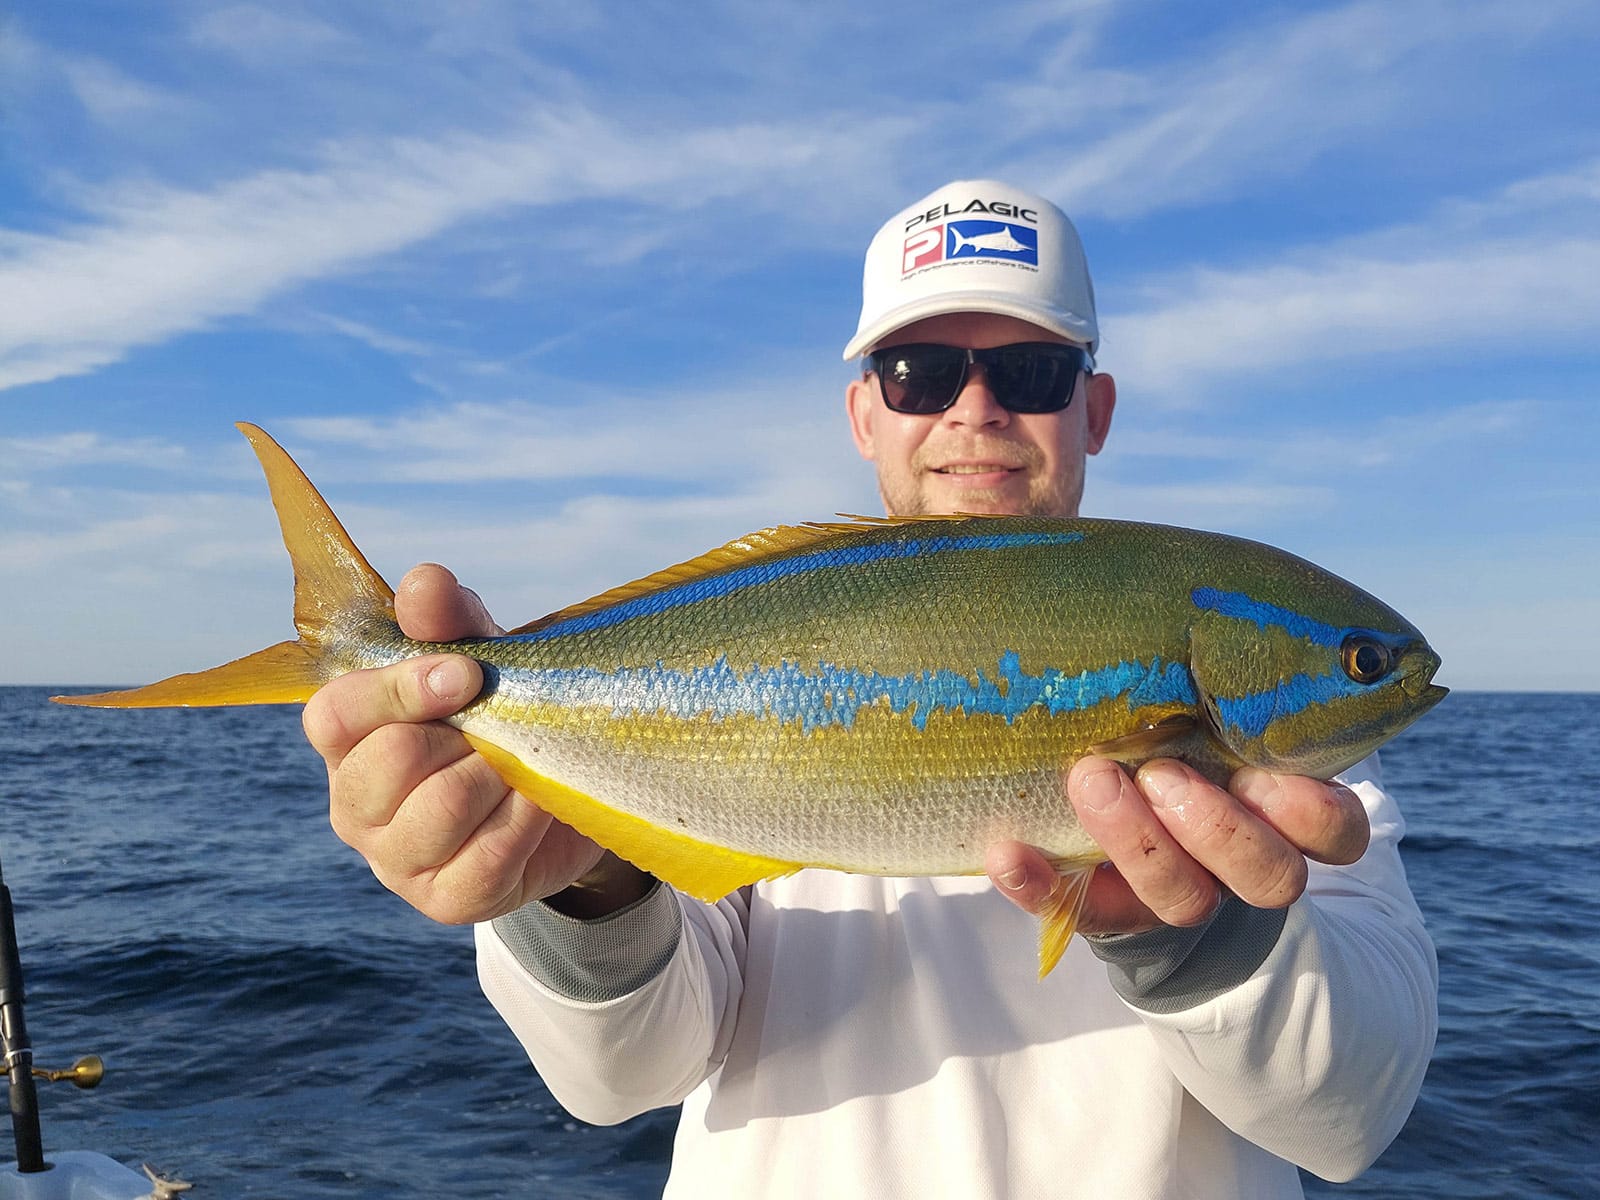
14	1042
18	1050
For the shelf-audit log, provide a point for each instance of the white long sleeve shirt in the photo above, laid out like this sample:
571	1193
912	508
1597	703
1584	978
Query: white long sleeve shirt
831	1034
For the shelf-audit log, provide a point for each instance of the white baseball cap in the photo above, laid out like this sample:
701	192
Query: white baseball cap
977	246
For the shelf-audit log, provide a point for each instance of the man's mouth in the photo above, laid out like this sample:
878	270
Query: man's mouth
975	468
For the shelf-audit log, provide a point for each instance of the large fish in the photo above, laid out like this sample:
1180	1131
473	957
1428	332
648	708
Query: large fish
879	696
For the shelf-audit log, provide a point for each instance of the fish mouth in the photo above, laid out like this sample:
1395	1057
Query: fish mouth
1417	682
1426	697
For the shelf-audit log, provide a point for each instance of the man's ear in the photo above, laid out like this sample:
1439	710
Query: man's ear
1100	400
861	404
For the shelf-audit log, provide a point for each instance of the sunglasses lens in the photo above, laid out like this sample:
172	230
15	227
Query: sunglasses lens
1032	380
1031	377
920	378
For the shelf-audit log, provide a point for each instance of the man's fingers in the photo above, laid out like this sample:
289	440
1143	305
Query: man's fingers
1160	870
381	772
350	707
444	812
1222	835
432	606
1325	821
1025	877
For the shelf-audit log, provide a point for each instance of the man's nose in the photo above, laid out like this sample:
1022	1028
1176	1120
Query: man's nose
975	403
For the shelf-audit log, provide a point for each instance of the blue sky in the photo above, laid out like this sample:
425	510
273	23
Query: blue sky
556	293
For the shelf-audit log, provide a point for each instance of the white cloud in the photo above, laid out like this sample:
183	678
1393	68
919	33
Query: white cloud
1225	506
113	97
26	455
1236	108
169	556
378	339
150	262
263	36
712	442
1458	282
1379	442
162	261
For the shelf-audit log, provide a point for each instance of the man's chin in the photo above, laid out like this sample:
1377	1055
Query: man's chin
998	501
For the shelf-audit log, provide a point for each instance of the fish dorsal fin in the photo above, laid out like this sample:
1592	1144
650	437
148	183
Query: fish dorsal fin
752	548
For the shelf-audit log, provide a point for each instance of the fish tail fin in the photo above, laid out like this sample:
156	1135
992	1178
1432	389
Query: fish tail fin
1060	921
332	583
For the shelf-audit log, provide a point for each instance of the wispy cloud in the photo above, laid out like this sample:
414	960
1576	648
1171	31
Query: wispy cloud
113	97
1460	283
1378	442
260	35
735	438
159	261
149	261
83	450
1236	106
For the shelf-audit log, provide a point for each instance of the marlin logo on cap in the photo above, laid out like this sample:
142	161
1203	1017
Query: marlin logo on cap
993	239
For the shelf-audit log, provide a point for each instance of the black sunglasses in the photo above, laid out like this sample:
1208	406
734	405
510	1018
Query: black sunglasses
923	378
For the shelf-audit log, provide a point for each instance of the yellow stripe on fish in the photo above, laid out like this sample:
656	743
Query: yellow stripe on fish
887	696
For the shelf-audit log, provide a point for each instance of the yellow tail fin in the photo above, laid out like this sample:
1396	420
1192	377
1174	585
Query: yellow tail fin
331	581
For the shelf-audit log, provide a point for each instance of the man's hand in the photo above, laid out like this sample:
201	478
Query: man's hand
436	824
1174	840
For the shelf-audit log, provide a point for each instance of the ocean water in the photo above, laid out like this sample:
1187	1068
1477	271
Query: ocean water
276	1025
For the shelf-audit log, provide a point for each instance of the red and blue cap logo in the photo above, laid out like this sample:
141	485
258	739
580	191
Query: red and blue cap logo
952	241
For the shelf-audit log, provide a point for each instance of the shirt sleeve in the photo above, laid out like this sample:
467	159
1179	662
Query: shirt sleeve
625	1013
1317	1054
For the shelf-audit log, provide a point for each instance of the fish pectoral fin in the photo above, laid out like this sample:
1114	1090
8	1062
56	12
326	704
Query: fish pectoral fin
700	869
1155	740
1058	923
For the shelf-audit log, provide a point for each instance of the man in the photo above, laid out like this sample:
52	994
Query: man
1239	1010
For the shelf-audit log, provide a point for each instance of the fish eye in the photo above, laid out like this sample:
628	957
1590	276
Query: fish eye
1365	659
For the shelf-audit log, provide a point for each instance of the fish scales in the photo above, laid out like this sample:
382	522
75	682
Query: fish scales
880	696
902	696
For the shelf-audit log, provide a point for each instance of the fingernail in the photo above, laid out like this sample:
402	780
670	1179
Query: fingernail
1100	787
1163	782
448	678
1015	879
1254	784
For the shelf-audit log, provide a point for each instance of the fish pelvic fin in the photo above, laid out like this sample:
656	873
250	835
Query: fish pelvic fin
1059	922
334	585
700	869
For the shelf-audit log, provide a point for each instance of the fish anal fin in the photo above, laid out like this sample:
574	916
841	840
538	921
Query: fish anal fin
700	869
283	674
1060	921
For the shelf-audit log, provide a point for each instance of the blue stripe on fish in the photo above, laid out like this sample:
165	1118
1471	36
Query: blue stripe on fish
1247	608
770	570
831	695
1253	713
